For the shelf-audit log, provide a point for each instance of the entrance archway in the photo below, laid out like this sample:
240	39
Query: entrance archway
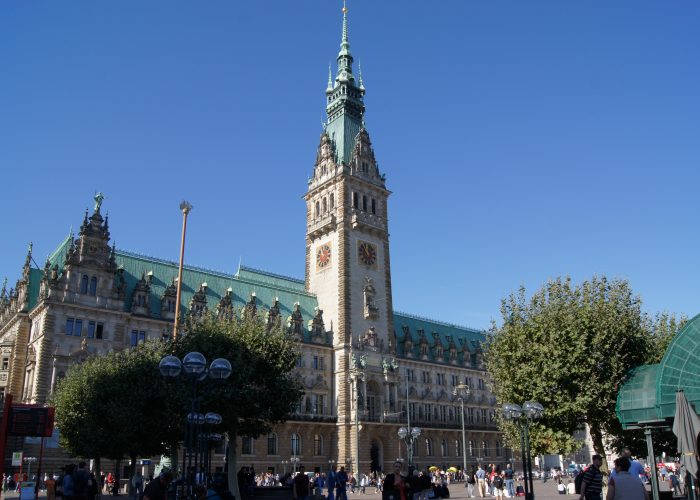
376	455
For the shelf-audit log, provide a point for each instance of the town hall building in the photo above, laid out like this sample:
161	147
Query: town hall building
365	367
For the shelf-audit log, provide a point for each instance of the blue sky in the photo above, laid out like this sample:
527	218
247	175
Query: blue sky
521	140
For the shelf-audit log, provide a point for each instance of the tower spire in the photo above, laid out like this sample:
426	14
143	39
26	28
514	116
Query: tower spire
345	43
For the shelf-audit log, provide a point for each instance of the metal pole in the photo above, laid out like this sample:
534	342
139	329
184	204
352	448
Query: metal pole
529	461
185	207
409	442
652	462
464	443
357	426
522	455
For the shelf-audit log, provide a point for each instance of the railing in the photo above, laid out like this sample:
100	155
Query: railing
313	417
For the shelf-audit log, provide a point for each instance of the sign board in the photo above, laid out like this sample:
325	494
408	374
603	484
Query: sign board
145	462
16	458
26	491
28	420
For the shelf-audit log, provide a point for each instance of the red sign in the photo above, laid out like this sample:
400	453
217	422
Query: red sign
30	420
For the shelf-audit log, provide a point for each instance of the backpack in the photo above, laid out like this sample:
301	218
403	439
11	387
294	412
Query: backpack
578	482
498	482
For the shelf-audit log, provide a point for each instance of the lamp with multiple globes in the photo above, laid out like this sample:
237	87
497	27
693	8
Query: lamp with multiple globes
523	417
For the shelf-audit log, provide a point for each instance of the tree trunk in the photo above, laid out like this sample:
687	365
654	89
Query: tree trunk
598	446
98	476
133	473
232	463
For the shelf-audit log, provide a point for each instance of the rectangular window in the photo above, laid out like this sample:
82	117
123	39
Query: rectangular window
69	326
137	337
318	362
299	361
5	363
355	203
470	415
78	330
246	445
374	206
484	416
91	330
99	331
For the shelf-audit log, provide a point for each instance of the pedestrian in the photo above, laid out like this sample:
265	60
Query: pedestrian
592	485
481	481
341	483
158	488
636	469
394	484
137	485
50	483
508	480
69	483
331	481
300	485
470	482
498	483
624	486
80	478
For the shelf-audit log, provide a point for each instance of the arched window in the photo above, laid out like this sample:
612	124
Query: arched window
458	448
332	201
318	208
246	445
471	448
429	447
84	284
318	445
272	444
93	286
485	448
498	449
296	444
443	448
325	205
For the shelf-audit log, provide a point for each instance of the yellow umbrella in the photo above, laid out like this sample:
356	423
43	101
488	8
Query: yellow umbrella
432	468
452	469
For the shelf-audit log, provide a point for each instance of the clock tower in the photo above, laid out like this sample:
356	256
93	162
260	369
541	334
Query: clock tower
347	239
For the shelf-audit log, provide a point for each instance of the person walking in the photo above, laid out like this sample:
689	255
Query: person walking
470	482
137	485
300	486
331	481
394	484
624	486
341	483
481	481
498	483
592	485
508	480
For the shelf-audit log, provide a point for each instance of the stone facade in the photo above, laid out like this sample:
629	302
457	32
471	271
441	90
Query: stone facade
366	369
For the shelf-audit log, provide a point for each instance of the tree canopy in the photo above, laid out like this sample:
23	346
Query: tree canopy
118	405
569	347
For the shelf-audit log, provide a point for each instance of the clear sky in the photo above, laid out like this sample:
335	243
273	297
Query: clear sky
521	140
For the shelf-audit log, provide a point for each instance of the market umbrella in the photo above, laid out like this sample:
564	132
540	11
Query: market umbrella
433	468
686	426
452	469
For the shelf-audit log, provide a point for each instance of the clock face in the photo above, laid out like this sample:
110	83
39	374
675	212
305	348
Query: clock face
367	253
323	256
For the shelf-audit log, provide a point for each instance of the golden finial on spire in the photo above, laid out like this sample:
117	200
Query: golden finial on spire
345	7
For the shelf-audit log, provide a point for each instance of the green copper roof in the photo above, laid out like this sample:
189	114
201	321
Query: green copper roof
266	286
415	323
345	107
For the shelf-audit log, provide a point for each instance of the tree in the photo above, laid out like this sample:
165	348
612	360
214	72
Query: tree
115	406
262	390
568	347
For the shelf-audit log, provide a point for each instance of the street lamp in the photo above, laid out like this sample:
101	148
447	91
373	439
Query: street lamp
295	461
29	461
194	367
409	435
185	208
462	392
284	464
523	417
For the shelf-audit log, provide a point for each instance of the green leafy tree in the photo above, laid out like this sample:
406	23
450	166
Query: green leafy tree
568	347
113	406
262	390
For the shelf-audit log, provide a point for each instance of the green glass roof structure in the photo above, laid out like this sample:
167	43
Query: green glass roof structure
648	396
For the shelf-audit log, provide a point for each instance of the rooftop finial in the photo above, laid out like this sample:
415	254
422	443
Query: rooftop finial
345	44
330	78
359	70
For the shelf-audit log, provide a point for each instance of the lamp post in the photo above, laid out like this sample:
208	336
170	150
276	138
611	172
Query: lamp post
523	417
409	435
357	376
284	464
294	460
185	208
194	367
462	392
29	461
